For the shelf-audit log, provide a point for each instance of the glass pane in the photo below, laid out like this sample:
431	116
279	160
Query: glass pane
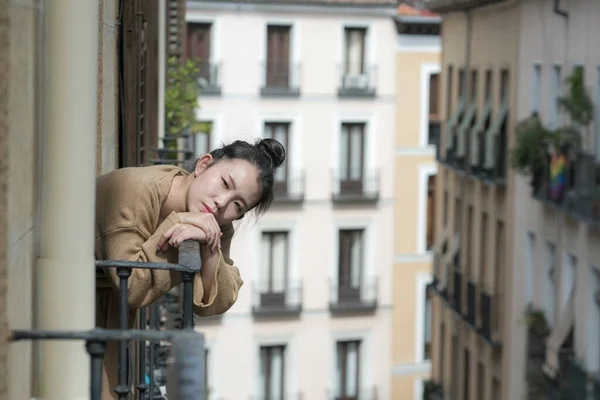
262	376
265	265
351	369
344	173
354	52
355	259
356	152
279	262
276	389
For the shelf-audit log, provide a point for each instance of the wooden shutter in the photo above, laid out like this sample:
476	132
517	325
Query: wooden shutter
278	54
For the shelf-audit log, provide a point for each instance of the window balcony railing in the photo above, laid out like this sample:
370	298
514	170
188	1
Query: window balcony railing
282	299
281	78
353	295
361	84
208	78
186	376
362	393
355	186
289	189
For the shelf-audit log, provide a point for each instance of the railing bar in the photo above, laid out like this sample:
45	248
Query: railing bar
188	300
146	265
105	335
142	387
95	349
152	349
123	389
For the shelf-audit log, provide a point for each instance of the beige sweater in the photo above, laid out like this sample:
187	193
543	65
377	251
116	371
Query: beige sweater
128	204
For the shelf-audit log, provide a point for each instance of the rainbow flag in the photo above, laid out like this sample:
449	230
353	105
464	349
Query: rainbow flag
558	171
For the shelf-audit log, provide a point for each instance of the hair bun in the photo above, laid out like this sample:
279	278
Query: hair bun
273	149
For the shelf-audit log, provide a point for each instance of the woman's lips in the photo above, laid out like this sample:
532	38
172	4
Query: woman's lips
207	209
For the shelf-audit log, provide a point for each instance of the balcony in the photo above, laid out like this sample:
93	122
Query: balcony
471	313
362	393
356	186
576	189
281	78
290	188
271	300
489	313
446	6
348	295
361	84
208	78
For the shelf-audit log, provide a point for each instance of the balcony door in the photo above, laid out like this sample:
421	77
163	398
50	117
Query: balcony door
272	372
274	268
280	132
348	370
198	47
354	54
352	158
350	265
278	56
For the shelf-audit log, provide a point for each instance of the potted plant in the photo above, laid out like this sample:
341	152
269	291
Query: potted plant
432	390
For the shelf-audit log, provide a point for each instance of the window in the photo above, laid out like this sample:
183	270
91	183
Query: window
449	87
536	91
348	370
556	89
430	239
352	157
434	83
454	371
442	350
504	85
530	265
445	207
354	51
496	394
550	282
469	239
473	96
466	375
272	379
280	132
350	263
481	380
201	139
427	328
483	248
198	47
278	56
499	264
457	215
488	84
274	267
461	83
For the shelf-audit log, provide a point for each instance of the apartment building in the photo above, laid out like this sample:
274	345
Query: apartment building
313	319
417	138
510	250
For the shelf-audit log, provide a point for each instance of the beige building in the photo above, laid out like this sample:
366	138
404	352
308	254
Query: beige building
417	136
60	68
503	255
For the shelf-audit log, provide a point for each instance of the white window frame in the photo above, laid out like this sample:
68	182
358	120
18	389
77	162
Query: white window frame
536	89
530	268
419	388
422	280
215	32
370	58
366	378
273	225
427	69
370	156
425	171
556	84
290	360
295	48
295	156
368	270
216	133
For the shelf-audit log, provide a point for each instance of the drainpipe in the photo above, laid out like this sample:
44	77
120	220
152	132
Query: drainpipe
65	267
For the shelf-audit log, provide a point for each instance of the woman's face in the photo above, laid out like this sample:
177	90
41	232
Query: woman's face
227	189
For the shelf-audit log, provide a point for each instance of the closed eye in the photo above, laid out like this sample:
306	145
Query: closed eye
225	184
238	207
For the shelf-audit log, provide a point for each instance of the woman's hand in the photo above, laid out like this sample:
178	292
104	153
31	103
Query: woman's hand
181	232
206	222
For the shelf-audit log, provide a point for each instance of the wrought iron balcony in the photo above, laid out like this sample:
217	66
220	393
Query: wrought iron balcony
281	78
489	312
355	186
277	299
290	188
471	303
353	295
208	78
362	393
358	84
187	346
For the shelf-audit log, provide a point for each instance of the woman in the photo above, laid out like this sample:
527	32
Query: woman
143	214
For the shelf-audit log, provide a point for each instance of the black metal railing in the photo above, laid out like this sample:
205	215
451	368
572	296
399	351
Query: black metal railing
290	188
358	84
208	78
348	294
359	185
188	266
471	302
176	150
277	299
281	78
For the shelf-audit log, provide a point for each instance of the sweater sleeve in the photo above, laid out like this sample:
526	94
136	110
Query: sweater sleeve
226	285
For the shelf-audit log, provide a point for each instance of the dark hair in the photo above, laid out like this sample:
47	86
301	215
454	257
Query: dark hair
265	154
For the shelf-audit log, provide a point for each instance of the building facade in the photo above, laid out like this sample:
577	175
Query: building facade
417	137
313	318
518	249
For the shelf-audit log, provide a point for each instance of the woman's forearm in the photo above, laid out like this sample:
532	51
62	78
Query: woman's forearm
210	261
